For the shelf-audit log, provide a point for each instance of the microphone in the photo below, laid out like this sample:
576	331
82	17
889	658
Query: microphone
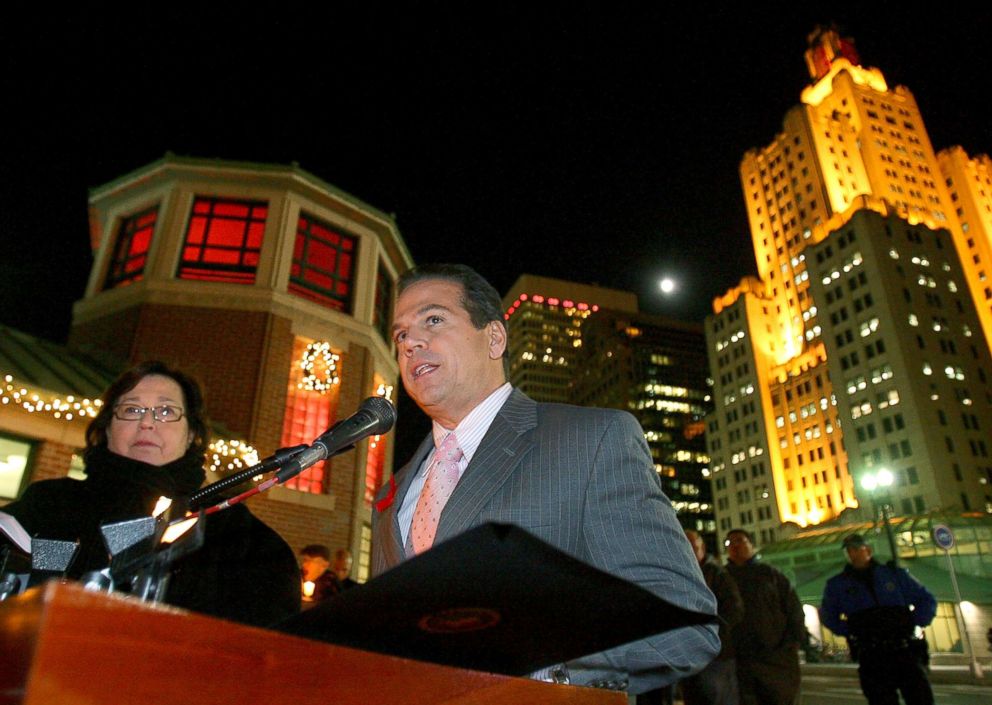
375	416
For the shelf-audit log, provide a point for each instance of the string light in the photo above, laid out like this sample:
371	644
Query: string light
34	401
311	381
230	455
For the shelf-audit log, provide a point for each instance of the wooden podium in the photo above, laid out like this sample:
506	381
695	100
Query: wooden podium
60	644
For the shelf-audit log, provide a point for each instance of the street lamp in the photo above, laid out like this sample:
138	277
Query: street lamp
878	483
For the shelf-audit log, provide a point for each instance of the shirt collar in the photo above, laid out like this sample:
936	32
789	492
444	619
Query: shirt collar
473	427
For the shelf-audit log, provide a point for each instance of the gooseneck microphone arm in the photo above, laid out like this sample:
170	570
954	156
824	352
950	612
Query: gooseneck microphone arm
273	462
375	416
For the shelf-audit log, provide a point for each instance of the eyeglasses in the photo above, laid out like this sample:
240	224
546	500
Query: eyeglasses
166	413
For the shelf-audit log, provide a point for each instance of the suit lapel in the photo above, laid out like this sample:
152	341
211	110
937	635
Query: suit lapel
504	446
389	518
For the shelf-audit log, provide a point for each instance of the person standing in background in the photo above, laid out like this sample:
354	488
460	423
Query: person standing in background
878	608
717	683
766	643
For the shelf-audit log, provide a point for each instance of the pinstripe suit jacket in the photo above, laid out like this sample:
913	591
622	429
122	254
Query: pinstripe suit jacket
582	480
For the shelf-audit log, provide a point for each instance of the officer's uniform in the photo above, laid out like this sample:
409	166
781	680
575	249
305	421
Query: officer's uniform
880	628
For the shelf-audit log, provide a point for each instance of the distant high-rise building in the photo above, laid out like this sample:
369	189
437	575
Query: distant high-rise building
544	319
655	368
589	345
822	368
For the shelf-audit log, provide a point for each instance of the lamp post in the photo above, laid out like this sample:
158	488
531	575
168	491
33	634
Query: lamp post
878	482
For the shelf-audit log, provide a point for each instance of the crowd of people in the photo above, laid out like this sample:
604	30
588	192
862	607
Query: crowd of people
581	479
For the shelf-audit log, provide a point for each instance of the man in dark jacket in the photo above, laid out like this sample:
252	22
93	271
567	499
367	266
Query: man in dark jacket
767	641
878	608
717	683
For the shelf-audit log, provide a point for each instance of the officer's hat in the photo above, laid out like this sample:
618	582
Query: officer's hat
854	541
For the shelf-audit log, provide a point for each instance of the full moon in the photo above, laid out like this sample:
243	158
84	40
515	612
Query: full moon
667	285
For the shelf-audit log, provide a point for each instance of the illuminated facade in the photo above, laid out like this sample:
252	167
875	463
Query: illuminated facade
274	289
795	361
544	319
655	368
969	186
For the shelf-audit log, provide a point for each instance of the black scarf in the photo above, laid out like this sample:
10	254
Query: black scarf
116	475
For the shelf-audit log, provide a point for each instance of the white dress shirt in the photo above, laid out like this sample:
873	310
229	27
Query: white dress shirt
469	432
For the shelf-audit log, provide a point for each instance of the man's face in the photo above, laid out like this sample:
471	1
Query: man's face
860	556
739	548
312	567
698	546
447	364
342	565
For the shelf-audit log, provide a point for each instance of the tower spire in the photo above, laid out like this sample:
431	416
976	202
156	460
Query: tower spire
826	46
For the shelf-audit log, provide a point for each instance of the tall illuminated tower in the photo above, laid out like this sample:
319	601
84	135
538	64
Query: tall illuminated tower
808	373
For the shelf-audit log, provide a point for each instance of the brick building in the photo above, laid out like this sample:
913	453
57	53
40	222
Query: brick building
274	289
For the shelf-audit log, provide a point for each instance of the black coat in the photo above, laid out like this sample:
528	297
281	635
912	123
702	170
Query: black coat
244	571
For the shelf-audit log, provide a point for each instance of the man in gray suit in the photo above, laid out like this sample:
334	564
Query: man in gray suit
581	479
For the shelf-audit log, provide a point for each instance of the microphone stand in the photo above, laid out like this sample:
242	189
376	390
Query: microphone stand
375	415
277	479
273	462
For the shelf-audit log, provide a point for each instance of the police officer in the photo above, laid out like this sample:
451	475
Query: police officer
878	607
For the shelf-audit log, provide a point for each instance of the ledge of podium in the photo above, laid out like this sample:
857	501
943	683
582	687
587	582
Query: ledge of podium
62	644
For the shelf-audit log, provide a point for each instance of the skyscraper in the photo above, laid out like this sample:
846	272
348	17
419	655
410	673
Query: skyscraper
820	365
589	345
544	319
655	368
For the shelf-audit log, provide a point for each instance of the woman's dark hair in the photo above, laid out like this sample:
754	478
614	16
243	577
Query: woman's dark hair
96	432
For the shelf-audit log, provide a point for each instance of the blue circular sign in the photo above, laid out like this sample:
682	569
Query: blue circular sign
943	536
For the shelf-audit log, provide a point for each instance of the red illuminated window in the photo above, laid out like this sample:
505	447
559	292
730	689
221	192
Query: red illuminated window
308	414
134	237
223	240
383	311
374	466
323	264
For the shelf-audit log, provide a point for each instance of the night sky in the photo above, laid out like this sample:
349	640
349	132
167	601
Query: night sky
577	141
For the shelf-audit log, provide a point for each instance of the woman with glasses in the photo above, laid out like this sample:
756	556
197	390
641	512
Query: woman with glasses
148	441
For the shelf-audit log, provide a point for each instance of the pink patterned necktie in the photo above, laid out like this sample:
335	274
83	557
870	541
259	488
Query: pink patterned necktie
441	480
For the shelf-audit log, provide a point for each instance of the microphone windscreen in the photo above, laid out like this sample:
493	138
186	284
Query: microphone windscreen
383	411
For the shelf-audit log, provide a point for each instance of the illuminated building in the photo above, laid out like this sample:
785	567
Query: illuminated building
588	345
274	289
969	186
544	319
820	365
655	368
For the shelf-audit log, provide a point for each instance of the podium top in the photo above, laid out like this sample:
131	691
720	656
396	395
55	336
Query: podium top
494	598
64	644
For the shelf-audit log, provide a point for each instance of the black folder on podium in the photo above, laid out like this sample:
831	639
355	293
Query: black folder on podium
496	599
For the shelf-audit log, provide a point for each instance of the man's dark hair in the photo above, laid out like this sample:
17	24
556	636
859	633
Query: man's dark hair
745	532
96	432
479	299
316	550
